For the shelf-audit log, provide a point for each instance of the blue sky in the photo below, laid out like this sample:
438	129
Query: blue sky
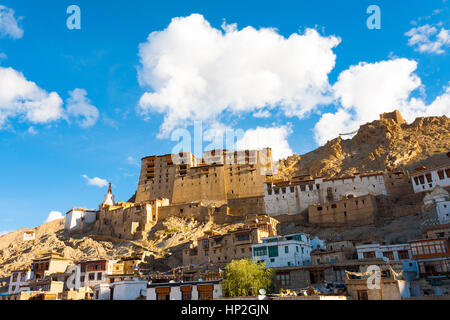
103	129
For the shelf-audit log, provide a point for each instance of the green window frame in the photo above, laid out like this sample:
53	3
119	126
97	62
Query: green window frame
273	251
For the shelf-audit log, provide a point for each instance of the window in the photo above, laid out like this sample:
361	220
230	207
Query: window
441	174
316	276
273	251
389	255
92	276
369	255
403	254
283	279
286	249
244	237
205	292
186	293
162	293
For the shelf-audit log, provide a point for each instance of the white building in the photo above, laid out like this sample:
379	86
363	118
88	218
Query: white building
29	235
284	251
428	179
17	279
316	244
77	219
89	273
199	290
122	290
102	291
129	290
441	200
297	197
395	252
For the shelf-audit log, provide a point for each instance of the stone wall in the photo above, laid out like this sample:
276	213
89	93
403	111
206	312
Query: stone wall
390	289
131	222
354	211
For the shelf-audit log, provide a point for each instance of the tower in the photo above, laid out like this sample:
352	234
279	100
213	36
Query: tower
109	198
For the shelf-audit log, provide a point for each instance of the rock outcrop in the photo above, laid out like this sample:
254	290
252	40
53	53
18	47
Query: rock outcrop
386	144
164	250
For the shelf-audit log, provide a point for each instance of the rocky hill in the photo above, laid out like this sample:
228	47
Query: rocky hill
386	144
163	252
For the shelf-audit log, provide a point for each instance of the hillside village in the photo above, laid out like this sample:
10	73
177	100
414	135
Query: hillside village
320	221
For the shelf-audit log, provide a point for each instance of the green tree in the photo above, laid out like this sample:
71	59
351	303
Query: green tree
245	278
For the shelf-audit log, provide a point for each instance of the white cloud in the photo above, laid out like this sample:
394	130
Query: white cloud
427	39
274	137
97	182
197	72
78	106
32	131
54	215
368	89
131	160
2	233
8	24
262	114
22	98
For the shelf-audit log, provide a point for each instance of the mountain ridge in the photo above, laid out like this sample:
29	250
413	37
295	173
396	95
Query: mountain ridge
385	144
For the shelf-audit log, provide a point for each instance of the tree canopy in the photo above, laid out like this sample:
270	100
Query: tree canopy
245	278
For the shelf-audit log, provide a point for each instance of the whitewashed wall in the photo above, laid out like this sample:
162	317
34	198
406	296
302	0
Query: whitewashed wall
295	201
430	185
129	290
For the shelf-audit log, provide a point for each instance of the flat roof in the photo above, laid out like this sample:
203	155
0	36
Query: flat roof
81	209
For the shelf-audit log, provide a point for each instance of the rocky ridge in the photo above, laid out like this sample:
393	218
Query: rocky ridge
386	144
